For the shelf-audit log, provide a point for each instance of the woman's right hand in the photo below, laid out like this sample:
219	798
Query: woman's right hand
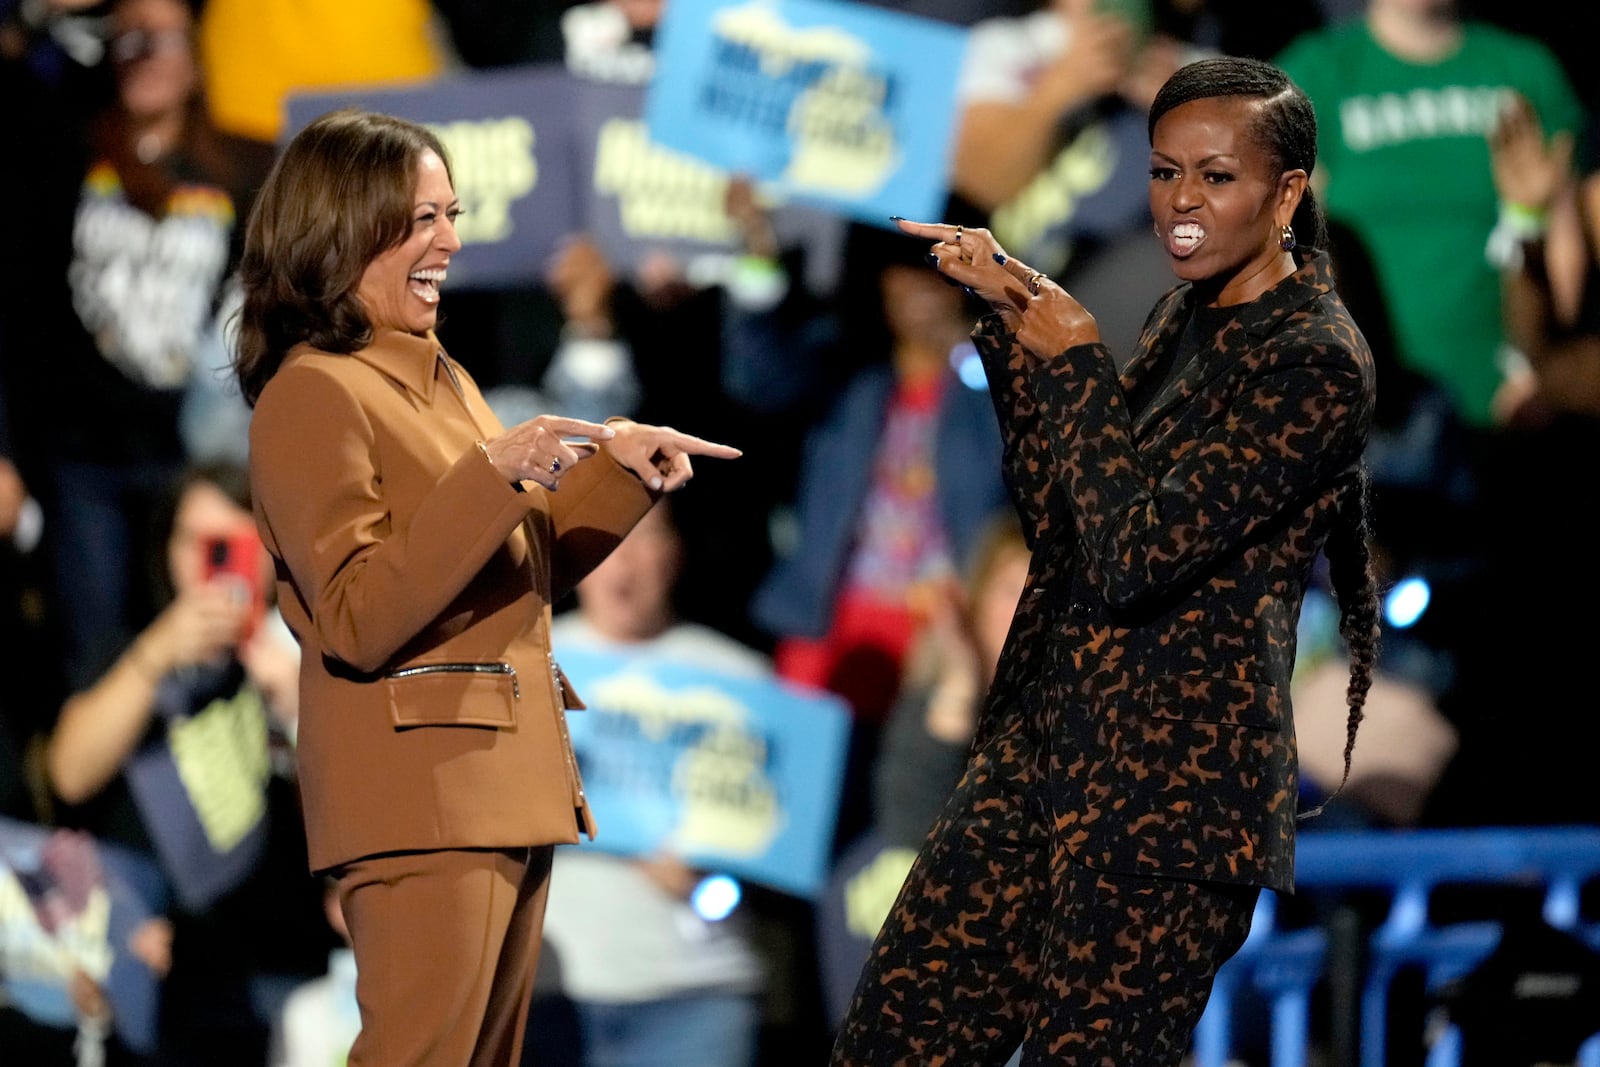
199	626
538	450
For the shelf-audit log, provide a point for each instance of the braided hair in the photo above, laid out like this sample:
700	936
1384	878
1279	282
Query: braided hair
1349	554
1286	128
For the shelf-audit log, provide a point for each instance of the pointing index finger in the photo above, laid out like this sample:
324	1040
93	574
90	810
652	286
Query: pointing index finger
701	447
933	231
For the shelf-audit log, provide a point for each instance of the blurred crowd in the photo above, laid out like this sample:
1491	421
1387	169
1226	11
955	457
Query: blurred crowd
863	546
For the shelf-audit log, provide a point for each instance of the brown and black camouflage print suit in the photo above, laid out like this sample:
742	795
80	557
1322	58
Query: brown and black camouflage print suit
1133	781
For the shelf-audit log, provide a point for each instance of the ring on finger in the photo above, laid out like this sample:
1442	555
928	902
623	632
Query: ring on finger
1033	282
959	231
555	465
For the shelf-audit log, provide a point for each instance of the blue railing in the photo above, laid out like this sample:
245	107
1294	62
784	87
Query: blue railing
1284	965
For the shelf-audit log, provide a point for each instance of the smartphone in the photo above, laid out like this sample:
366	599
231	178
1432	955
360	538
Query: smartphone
238	558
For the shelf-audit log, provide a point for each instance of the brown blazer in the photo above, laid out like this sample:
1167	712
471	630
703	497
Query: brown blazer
419	583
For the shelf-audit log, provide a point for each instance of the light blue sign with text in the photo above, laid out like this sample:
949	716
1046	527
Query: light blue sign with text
740	775
833	103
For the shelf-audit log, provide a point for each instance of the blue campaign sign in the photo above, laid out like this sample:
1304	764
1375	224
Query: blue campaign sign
508	136
735	774
642	199
69	903
835	103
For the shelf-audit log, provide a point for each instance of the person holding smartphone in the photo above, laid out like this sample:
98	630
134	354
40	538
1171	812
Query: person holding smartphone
168	753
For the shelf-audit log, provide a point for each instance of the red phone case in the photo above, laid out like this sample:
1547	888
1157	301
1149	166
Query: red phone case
238	556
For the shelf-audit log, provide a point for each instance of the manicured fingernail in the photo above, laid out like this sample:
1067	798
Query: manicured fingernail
655	483
933	260
1000	258
894	218
606	434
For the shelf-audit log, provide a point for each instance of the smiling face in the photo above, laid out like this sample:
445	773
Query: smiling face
628	597
1218	199
399	290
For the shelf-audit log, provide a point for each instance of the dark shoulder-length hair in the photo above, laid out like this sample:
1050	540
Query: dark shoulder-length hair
1286	125
338	195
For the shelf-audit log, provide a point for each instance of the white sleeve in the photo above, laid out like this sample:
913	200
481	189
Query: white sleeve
1002	54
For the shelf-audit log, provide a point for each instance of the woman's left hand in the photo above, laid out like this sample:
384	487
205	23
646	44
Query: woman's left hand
1046	319
970	256
659	455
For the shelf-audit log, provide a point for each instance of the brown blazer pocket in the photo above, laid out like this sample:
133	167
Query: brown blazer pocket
453	694
1207	698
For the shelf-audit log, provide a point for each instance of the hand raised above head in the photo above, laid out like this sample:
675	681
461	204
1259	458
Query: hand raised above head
1530	171
539	450
659	455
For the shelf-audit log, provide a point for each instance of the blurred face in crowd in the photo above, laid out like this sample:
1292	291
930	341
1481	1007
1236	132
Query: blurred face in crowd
918	304
641	14
628	597
205	513
152	51
1218	199
399	290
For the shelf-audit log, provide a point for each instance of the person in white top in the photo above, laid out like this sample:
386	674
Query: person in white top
654	983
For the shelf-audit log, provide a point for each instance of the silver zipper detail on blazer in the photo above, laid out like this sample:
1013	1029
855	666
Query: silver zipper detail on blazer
463	668
566	736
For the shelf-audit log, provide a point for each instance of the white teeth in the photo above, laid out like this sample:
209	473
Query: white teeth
428	282
1186	234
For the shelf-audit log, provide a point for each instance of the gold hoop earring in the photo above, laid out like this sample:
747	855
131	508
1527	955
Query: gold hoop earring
1286	239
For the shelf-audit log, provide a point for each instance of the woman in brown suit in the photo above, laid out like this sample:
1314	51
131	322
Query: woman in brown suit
419	546
1132	784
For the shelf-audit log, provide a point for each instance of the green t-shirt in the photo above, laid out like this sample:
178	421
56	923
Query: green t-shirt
1403	150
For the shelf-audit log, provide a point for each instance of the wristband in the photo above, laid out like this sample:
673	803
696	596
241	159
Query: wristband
757	284
1516	225
1522	220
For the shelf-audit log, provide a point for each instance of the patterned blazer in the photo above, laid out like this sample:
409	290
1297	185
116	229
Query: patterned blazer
1153	646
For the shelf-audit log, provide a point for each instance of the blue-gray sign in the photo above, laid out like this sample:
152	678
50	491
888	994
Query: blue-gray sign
507	133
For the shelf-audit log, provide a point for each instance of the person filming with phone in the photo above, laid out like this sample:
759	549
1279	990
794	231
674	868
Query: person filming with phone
169	753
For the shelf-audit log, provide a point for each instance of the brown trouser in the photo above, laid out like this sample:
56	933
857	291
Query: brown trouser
446	945
1000	938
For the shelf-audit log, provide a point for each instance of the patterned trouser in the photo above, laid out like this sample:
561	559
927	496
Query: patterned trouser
999	938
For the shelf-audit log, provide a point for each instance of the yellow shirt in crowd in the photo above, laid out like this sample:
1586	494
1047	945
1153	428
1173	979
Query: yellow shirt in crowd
255	53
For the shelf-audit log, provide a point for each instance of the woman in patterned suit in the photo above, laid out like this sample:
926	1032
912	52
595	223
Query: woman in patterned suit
1132	784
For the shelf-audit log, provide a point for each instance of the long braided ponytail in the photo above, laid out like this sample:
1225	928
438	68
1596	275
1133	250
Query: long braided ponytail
1349	555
